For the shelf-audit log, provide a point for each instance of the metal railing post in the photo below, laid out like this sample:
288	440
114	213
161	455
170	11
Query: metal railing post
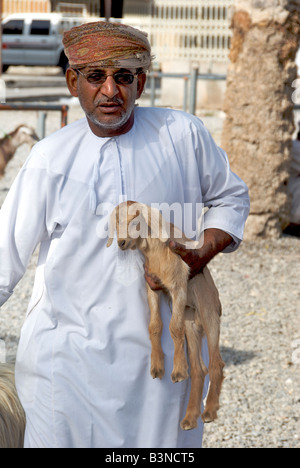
1	12
64	115
41	124
152	87
193	90
185	93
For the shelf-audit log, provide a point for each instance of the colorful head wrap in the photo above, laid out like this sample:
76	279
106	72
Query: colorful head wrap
103	44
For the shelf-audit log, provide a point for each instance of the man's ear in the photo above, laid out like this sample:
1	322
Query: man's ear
142	77
72	81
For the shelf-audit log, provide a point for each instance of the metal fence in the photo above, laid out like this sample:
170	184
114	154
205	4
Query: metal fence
42	115
189	83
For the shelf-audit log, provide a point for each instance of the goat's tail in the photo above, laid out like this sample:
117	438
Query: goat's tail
12	416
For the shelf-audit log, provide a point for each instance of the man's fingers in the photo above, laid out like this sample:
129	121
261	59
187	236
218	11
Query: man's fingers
189	256
178	248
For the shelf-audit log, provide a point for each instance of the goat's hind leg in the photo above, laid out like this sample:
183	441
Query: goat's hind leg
208	310
198	371
216	376
211	322
155	332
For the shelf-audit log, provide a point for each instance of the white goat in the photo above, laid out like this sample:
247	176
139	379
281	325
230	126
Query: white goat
196	305
12	416
10	142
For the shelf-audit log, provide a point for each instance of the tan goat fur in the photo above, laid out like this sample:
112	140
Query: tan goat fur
12	416
10	142
196	305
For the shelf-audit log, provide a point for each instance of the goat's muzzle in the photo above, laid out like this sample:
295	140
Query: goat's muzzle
122	244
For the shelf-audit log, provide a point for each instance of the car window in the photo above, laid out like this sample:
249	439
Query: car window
40	28
13	27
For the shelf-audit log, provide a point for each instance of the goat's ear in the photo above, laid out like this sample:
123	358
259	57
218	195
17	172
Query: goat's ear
138	226
158	225
112	227
109	242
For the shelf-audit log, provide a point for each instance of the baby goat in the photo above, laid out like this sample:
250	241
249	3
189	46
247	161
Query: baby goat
12	416
10	142
196	306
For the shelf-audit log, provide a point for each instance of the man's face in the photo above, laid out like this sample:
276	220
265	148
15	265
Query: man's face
107	97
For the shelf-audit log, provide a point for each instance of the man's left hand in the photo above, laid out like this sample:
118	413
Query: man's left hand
215	241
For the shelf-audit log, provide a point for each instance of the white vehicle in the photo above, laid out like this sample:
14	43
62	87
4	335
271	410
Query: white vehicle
35	39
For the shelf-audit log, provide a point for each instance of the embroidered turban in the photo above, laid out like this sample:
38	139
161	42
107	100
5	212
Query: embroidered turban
103	44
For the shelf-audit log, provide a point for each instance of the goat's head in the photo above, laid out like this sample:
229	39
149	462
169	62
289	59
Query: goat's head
25	134
135	223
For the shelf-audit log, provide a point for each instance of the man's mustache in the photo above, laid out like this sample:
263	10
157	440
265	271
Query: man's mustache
114	100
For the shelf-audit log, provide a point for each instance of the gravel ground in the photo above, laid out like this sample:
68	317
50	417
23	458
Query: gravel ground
260	337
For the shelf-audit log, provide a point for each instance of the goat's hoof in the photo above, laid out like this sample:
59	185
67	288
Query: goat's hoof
157	373
188	423
209	416
178	376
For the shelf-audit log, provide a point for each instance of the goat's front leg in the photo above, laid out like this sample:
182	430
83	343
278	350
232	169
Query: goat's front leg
177	330
155	332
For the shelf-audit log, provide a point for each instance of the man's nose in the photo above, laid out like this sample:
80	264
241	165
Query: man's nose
109	87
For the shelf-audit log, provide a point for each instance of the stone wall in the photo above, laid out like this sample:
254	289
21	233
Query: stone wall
258	104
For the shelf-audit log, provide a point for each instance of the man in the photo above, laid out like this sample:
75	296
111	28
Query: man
83	364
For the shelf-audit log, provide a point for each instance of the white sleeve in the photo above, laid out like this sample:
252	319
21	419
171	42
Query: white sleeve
223	192
22	223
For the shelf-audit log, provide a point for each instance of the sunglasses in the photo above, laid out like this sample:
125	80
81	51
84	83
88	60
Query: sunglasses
99	77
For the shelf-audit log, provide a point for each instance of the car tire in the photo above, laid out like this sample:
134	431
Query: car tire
65	67
63	62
